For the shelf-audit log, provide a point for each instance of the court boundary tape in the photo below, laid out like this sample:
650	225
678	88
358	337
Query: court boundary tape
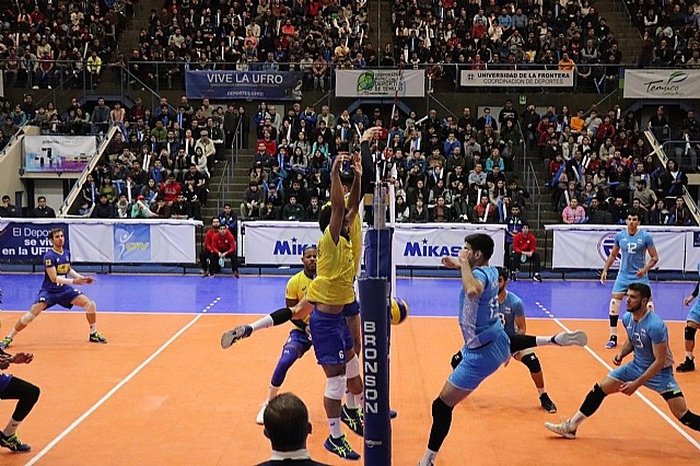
640	395
119	385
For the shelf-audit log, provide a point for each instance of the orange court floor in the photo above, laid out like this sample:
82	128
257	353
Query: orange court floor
163	392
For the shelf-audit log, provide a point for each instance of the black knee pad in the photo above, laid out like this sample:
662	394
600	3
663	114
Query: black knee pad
532	363
441	410
33	393
672	394
690	333
456	359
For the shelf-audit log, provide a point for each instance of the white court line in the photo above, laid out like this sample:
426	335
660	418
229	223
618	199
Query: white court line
116	388
643	397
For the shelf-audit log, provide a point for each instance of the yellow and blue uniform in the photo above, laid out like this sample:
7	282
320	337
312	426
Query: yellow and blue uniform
643	335
486	344
333	285
55	293
296	289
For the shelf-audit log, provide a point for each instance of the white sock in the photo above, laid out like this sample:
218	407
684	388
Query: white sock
428	458
541	391
360	400
613	331
578	418
93	328
334	426
272	392
11	428
544	341
350	400
689	355
12	333
263	322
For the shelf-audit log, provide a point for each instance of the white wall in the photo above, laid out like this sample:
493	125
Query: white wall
52	190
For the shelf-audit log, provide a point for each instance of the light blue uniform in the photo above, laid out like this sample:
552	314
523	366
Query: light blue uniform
486	344
694	314
650	330
633	249
509	309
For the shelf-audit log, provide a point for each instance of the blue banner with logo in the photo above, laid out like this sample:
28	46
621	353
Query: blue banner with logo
27	242
244	85
132	243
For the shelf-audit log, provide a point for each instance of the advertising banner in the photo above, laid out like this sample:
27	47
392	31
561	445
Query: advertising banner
58	153
589	248
379	83
282	243
27	242
242	85
516	78
103	241
692	251
662	84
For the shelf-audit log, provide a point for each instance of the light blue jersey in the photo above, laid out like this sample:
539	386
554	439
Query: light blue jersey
633	249
643	335
478	317
509	309
650	330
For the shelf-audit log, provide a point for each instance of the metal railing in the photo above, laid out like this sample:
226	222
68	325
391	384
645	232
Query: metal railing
224	188
685	153
153	76
658	151
78	186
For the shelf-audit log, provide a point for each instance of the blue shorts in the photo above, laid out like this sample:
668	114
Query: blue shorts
478	364
299	340
694	314
662	382
4	381
63	297
351	309
331	337
622	282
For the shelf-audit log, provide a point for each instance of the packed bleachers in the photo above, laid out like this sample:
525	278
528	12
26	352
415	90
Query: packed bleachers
305	36
447	34
670	31
44	42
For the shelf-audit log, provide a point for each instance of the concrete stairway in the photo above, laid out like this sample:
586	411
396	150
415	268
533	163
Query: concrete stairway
617	18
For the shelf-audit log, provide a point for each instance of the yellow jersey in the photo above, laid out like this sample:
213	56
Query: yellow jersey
355	232
296	289
335	272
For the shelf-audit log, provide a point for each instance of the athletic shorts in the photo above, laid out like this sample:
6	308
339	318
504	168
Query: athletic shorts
622	282
4	382
477	364
299	340
63	298
662	382
331	337
694	314
351	309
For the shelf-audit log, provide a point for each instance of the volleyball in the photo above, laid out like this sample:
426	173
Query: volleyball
398	311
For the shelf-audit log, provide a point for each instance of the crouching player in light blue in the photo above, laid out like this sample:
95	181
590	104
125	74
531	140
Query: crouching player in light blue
651	367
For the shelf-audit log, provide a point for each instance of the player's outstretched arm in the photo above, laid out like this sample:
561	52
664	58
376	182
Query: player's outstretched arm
355	189
337	200
472	286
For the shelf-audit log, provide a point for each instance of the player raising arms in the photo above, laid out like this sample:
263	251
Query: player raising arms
651	367
633	244
486	345
57	288
691	327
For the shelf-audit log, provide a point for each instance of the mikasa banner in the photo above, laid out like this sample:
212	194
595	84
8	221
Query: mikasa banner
589	246
416	245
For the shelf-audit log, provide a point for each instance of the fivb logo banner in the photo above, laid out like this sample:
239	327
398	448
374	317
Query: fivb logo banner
589	246
132	243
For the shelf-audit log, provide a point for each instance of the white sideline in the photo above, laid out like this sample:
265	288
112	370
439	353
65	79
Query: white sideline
109	394
641	396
